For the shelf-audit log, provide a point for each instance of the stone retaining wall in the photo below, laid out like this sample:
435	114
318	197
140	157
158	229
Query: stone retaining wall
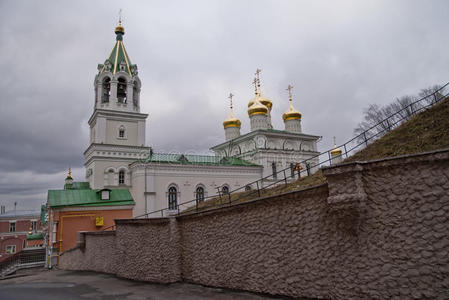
378	229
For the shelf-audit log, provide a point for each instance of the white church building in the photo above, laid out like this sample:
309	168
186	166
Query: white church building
117	156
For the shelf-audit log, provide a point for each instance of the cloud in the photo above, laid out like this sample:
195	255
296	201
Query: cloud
340	57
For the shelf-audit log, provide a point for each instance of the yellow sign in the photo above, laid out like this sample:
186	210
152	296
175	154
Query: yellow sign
99	221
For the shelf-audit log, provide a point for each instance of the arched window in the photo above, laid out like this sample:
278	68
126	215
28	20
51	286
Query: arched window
111	177
225	189
172	198
136	94
121	90
121	177
106	90
122	132
199	194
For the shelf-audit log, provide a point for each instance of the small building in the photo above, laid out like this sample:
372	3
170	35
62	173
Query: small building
77	207
15	228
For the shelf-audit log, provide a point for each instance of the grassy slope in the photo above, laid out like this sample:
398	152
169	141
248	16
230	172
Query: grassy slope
426	131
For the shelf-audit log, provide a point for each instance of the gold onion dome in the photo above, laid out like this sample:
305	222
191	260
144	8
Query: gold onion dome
262	99
69	174
257	108
232	121
119	29
291	113
335	151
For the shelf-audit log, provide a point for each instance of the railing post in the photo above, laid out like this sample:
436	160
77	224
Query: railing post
229	195
366	141
411	108
330	160
285	178
346	151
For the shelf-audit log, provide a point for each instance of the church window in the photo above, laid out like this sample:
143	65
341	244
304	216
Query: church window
136	95
225	189
121	132
106	90
172	198
199	194
121	177
273	167
121	90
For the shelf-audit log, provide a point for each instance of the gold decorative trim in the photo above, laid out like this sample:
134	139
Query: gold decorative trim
126	58
116	56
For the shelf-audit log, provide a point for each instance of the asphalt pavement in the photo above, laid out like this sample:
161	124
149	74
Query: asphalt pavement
37	284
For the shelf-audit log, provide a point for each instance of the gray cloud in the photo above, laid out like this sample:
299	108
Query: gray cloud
340	56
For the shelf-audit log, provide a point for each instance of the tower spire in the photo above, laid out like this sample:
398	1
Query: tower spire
119	29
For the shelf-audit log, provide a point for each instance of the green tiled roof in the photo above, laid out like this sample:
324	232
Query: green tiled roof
36	236
88	197
189	159
118	55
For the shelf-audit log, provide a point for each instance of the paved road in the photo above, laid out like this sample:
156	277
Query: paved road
69	285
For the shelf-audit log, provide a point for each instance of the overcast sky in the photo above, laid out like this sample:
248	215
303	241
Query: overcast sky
340	56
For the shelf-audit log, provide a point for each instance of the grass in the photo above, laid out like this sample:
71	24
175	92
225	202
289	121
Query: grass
426	131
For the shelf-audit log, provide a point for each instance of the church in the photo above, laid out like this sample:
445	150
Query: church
119	158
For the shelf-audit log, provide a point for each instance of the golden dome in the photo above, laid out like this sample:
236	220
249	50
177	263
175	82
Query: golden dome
335	151
291	113
257	108
119	28
232	121
262	99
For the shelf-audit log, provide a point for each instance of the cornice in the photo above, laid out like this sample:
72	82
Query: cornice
116	113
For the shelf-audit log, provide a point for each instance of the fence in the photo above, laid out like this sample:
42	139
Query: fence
323	159
26	258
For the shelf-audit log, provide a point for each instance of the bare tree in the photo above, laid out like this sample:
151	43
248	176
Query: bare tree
379	120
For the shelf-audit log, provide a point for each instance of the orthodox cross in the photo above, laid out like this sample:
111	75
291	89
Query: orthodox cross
255	85
120	15
230	98
257	76
289	89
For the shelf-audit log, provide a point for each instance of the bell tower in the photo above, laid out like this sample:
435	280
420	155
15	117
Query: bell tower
117	128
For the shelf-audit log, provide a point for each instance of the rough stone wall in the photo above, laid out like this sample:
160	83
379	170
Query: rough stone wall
377	230
149	250
96	251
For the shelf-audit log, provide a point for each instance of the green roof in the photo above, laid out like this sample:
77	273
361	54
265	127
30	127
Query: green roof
188	159
88	197
36	236
118	55
80	185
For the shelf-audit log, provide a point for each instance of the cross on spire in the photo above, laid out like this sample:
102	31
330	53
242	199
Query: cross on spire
230	98
335	142
289	89
120	16
258	71
255	85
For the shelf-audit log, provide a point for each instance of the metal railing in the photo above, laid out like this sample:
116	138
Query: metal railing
26	258
309	165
